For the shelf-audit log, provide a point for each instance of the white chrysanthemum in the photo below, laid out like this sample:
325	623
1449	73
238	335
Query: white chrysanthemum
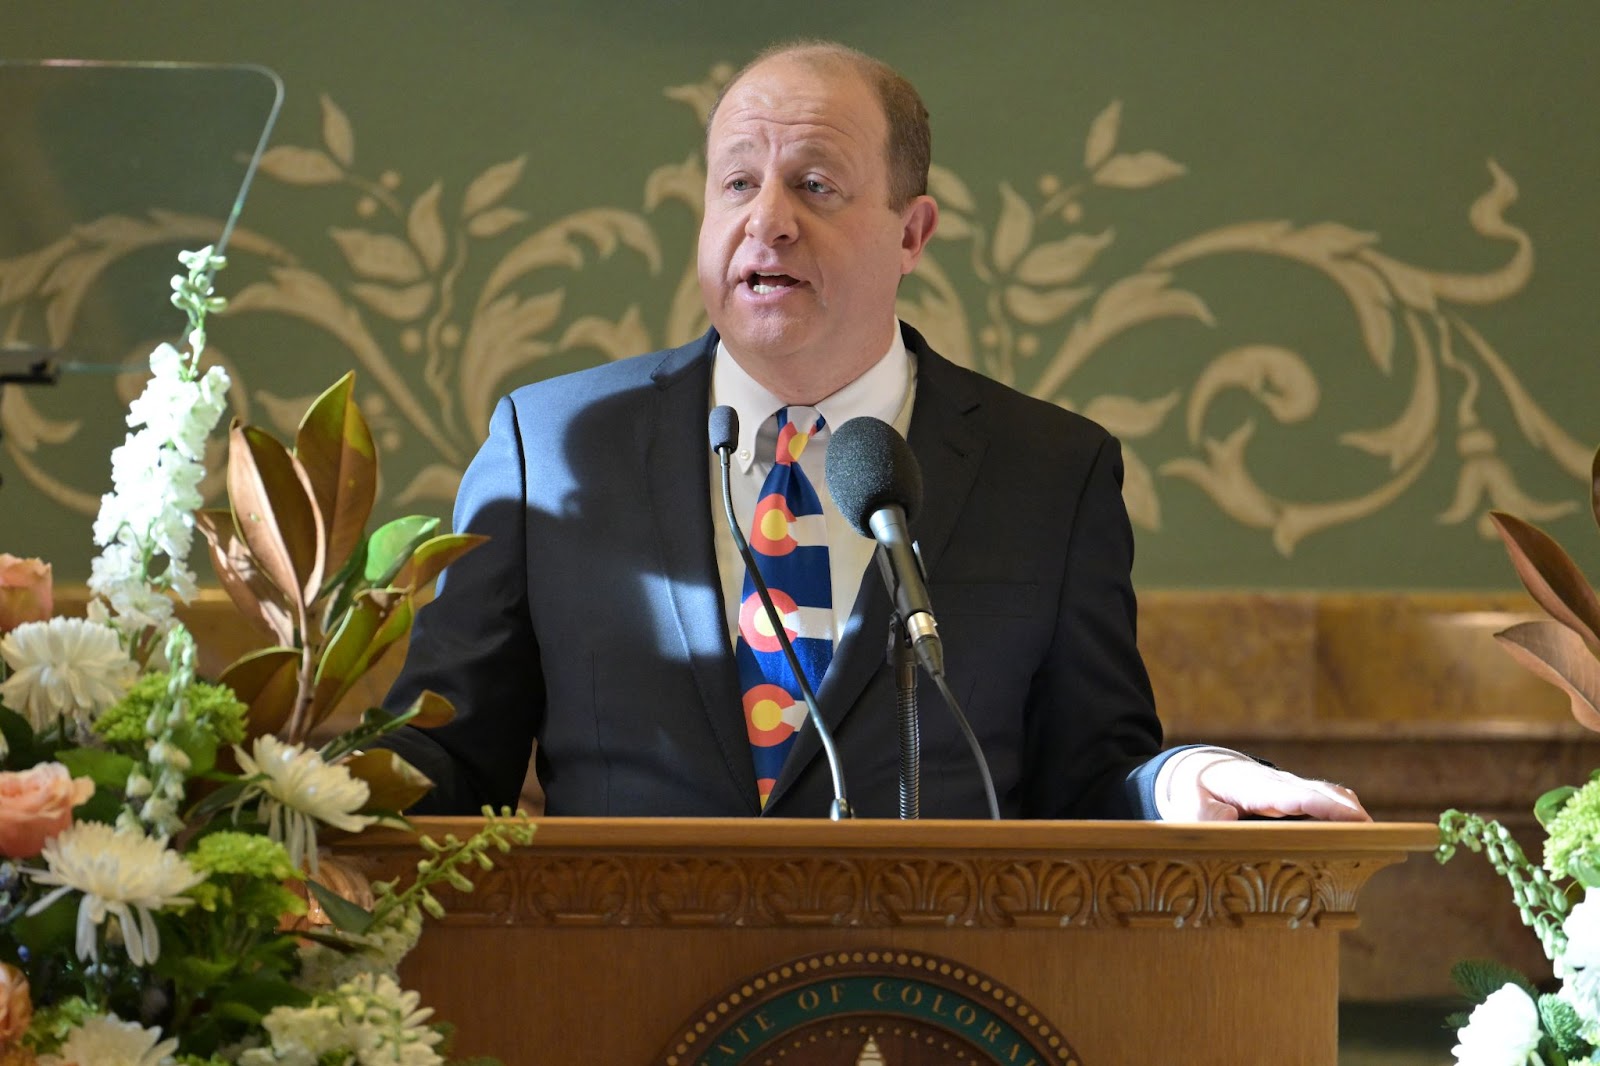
121	872
299	789
1503	1030
65	667
106	1040
1581	991
300	1036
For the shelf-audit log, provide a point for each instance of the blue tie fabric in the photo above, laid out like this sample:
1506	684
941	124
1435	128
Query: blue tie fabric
788	536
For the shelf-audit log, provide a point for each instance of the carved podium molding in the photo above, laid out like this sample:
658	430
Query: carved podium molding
611	934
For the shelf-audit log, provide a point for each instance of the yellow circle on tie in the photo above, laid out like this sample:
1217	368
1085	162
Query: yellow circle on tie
766	715
797	444
774	526
763	623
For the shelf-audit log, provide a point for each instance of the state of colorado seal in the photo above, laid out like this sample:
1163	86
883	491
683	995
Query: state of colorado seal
869	1008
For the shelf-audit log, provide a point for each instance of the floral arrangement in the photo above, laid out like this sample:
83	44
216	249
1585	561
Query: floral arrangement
163	898
1513	1024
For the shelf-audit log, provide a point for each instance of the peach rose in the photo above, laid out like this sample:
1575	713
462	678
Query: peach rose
37	804
25	594
16	1006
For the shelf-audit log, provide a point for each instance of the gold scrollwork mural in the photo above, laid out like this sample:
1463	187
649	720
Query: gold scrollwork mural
446	294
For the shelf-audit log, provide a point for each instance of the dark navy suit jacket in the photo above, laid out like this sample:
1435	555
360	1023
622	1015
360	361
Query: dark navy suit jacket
593	620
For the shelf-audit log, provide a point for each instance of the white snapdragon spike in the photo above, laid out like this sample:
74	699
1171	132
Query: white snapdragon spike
298	789
1503	1030
1581	992
64	668
120	872
389	1024
106	1040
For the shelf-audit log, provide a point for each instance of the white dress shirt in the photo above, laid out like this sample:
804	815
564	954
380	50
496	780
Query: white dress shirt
885	391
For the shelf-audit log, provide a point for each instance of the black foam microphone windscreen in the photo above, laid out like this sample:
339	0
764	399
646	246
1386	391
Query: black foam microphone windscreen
871	467
723	425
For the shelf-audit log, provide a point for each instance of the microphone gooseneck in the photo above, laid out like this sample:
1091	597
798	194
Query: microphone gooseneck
876	482
723	429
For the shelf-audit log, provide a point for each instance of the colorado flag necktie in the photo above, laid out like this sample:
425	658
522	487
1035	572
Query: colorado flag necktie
789	539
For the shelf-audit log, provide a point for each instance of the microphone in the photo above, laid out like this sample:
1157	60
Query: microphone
723	428
877	485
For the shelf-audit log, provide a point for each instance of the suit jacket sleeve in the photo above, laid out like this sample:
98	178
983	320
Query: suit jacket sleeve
475	644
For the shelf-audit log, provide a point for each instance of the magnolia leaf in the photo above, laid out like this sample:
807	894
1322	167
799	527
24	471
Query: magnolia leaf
430	710
1551	577
260	601
1560	656
394	784
267	682
375	623
487	188
335	447
346	916
433	555
392	543
276	513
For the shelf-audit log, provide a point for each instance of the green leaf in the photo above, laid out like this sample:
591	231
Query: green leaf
105	768
19	739
1479	978
1547	806
266	681
276	514
393	783
392	543
346	916
433	555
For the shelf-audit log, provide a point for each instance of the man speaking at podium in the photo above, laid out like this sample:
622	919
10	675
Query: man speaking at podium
608	617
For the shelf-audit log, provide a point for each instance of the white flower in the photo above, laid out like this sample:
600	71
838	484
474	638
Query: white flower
66	667
106	1040
369	1015
1583	933
1503	1030
1581	991
298	789
121	872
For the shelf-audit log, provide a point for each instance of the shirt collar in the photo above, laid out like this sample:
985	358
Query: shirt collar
879	392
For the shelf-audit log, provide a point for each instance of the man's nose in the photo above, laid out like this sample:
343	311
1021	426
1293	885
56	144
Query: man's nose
772	218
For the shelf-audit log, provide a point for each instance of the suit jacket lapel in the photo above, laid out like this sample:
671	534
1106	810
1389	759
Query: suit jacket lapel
673	454
949	452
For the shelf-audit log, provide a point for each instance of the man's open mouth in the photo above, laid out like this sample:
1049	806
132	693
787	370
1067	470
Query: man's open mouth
761	284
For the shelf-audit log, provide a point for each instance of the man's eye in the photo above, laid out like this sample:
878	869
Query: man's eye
815	186
738	185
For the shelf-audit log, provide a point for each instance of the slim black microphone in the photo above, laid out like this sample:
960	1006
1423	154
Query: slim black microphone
877	485
723	427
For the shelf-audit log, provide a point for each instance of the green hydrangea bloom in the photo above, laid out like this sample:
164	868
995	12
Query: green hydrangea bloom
127	720
1573	847
249	854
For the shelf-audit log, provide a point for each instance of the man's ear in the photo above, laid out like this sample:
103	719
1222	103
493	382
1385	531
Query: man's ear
920	219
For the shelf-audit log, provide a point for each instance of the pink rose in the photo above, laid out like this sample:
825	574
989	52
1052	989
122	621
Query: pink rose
24	591
37	804
16	1005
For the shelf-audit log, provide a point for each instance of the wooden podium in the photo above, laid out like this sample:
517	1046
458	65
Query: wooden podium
719	941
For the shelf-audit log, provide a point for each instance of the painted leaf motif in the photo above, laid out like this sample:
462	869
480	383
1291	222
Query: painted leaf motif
300	166
952	227
1036	308
504	339
1102	139
1138	171
266	682
275	514
495	221
337	135
618	340
426	228
261	602
685	181
1060	262
378	255
947	188
1410	433
1130	418
487	188
1275	376
1014	230
392	783
334	446
433	555
1559	655
401	305
1551	577
433	482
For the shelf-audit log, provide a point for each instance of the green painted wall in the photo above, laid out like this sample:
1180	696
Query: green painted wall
1328	269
